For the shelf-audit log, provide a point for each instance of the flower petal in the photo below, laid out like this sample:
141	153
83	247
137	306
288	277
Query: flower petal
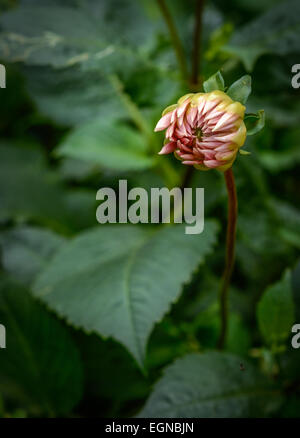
168	148
164	122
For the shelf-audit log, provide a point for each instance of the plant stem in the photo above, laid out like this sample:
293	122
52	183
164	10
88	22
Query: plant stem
197	44
132	108
171	176
195	83
175	38
230	247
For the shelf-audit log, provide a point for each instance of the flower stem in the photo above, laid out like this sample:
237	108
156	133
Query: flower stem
195	82
197	44
132	108
230	247
174	37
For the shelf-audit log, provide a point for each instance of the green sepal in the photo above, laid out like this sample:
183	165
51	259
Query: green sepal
215	82
240	90
254	122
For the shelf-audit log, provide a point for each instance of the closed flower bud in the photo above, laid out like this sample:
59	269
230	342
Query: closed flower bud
204	130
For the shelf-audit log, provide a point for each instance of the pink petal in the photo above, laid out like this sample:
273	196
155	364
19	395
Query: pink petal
191	163
164	122
222	156
186	156
225	147
225	137
191	115
170	130
212	163
225	119
168	148
184	148
182	108
209	154
210	143
209	106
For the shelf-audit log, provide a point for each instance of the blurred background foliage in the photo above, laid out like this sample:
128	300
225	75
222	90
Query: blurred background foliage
86	82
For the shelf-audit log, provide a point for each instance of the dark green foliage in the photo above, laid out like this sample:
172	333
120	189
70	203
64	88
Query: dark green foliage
123	320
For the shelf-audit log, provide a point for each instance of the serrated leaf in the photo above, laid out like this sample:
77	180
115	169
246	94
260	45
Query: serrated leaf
110	144
275	311
240	90
255	122
40	367
210	385
25	250
215	82
120	280
276	31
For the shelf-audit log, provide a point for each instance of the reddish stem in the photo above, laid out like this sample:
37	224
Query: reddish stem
230	249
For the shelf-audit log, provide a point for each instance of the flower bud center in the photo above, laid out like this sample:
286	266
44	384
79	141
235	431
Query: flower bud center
198	133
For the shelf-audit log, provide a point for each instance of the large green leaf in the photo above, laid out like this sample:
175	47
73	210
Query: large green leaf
72	96
25	250
275	311
40	367
69	50
77	34
30	189
27	188
276	31
110	144
111	372
119	280
210	385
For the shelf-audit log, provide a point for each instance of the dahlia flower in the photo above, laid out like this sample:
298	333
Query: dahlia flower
204	130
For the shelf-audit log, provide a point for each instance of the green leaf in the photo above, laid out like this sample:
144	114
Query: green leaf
30	189
111	372
25	250
286	155
238	338
275	312
72	96
240	90
27	187
210	385
64	36
111	144
257	125
276	31
68	51
40	366
215	82
120	280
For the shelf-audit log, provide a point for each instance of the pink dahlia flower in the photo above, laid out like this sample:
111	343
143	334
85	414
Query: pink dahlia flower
204	130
